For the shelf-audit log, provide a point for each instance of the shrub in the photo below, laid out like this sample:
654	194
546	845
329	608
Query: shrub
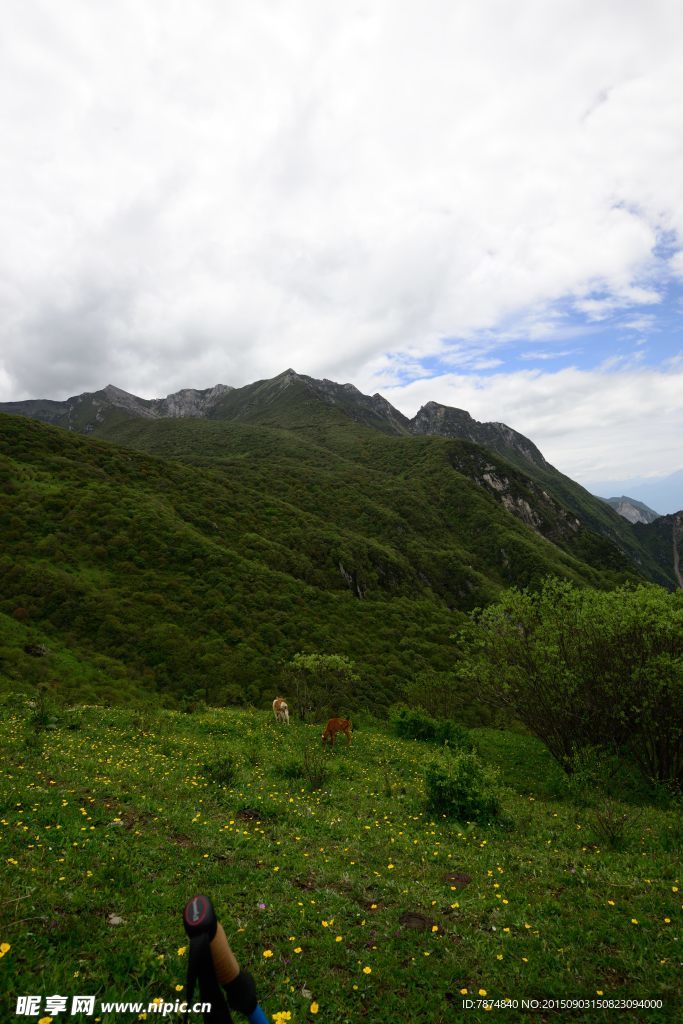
461	787
254	753
291	770
314	768
415	725
44	714
222	770
613	823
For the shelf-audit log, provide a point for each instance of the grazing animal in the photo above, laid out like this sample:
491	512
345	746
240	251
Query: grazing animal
334	726
280	710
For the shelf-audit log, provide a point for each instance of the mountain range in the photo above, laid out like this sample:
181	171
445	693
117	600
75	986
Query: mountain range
211	535
94	412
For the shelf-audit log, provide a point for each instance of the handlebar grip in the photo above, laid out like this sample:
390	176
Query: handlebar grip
224	960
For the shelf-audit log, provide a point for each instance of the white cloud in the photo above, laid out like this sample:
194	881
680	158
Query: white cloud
676	264
591	425
547	354
211	193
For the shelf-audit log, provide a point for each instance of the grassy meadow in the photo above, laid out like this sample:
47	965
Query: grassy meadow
112	818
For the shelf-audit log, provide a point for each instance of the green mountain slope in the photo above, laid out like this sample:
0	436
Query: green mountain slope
321	438
326	412
663	537
593	512
208	574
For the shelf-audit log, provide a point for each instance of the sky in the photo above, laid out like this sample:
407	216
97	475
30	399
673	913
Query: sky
479	204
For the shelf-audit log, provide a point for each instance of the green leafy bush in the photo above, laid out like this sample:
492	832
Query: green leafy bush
408	724
461	787
586	669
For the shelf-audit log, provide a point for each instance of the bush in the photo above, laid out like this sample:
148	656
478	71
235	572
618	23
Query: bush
613	823
291	770
415	725
44	714
586	668
314	768
461	787
223	770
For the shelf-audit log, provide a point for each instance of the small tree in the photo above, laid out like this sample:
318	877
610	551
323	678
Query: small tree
319	683
582	667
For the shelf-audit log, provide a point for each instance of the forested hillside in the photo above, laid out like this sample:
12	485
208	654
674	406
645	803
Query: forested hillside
338	417
204	568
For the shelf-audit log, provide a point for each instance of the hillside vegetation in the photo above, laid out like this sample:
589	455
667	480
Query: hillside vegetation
338	889
330	415
206	567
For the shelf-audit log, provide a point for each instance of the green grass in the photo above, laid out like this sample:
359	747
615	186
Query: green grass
122	812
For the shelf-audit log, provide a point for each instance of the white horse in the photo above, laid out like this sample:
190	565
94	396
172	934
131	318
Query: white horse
280	710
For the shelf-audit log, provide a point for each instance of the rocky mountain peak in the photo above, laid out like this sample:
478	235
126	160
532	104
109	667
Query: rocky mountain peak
633	510
445	421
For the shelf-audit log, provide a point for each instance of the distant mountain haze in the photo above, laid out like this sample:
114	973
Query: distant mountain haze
663	493
634	511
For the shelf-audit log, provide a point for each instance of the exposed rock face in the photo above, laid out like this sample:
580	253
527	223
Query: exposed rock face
521	496
634	511
444	421
84	413
190	402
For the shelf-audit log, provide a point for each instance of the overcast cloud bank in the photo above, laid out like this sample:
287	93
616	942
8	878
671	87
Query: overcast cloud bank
383	193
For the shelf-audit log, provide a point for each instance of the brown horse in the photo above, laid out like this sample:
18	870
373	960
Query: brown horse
334	726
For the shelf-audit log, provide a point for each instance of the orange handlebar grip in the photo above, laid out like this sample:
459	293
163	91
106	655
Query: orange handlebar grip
224	961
